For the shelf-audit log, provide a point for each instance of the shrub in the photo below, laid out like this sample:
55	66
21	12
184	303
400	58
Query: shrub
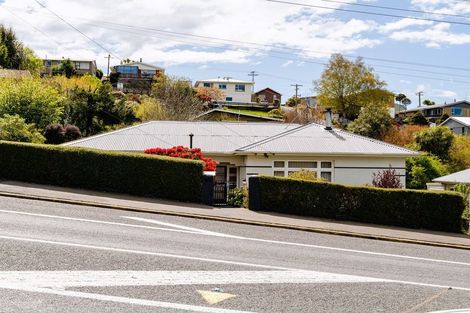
14	128
185	153
436	140
459	153
374	121
55	134
130	173
397	207
388	178
72	132
402	135
423	169
237	197
304	174
418	119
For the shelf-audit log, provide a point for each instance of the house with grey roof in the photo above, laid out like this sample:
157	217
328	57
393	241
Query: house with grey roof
459	125
433	112
449	182
244	149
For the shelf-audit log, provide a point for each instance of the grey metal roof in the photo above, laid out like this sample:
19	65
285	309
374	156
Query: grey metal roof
459	177
211	137
314	139
435	106
241	138
461	120
266	118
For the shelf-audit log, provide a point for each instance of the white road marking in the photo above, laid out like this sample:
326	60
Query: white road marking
208	233
151	303
207	260
65	279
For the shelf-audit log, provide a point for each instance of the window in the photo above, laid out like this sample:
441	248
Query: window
240	87
228	99
456	111
77	65
279	173
123	69
84	65
326	176
326	165
223	86
280	164
302	164
207	84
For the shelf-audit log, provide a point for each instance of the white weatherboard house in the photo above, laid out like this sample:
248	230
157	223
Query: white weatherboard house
234	90
459	125
247	149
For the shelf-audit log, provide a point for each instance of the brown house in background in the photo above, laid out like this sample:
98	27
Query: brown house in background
268	96
82	67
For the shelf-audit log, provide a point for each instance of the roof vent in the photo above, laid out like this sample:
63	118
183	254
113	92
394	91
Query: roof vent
328	119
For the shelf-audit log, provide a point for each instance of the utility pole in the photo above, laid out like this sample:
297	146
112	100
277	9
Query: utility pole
109	61
419	94
296	90
253	74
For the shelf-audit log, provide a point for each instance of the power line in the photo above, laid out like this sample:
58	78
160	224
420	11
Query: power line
369	13
78	30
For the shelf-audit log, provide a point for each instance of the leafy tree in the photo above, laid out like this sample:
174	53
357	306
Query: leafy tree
429	102
65	85
460	153
99	74
32	99
208	94
31	62
423	169
65	68
347	86
418	119
14	128
436	140
293	101
388	178
114	77
150	109
373	122
442	119
402	135
177	97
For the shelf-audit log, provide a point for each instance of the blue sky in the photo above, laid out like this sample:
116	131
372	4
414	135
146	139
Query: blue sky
285	43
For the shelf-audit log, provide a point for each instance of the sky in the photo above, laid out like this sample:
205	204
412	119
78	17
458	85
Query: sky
285	42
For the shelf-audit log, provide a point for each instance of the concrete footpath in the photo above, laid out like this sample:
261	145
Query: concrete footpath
233	215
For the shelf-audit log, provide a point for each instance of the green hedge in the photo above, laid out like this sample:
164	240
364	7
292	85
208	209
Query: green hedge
407	208
130	173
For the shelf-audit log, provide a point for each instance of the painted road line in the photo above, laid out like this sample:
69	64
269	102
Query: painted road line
132	301
184	257
322	247
67	279
214	297
208	233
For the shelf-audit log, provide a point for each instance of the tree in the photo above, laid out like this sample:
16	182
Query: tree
65	68
429	102
418	119
293	101
177	97
150	109
423	169
99	74
373	122
460	153
32	99
388	178
402	135
347	86
14	128
442	119
436	140
208	94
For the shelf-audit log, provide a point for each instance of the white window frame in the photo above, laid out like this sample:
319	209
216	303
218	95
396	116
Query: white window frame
237	86
318	170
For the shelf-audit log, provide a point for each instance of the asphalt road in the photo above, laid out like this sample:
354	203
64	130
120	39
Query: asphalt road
65	258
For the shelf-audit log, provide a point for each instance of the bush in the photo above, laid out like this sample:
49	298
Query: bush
14	128
185	153
72	132
130	173
238	197
374	121
304	174
423	169
418	119
436	140
460	153
388	178
397	207
55	134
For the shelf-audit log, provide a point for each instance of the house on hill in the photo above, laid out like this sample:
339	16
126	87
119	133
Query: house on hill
81	67
267	96
247	149
433	112
235	91
459	125
135	76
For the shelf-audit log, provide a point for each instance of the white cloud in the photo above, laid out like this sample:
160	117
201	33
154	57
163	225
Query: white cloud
433	37
444	93
404	81
286	64
401	24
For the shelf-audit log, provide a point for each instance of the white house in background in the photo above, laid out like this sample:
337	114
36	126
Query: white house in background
448	182
234	90
247	149
459	125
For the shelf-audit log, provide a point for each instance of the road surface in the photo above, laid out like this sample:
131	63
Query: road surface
65	258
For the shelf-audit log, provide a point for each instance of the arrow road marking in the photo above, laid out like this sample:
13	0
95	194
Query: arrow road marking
212	297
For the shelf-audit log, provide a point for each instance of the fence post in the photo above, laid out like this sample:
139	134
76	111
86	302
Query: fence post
254	194
208	190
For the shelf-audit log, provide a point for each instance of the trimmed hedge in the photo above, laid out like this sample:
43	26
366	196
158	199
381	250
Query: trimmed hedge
130	173
406	208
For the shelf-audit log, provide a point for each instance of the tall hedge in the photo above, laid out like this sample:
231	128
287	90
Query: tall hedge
407	208
130	173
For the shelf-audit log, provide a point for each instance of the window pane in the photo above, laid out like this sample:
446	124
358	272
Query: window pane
326	165
302	164
326	176
279	164
279	173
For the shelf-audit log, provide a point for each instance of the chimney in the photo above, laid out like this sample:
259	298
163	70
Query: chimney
140	60
328	119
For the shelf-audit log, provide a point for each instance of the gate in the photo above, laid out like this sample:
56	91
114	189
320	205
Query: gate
220	194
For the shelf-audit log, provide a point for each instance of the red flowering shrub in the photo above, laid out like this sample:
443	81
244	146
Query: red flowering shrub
185	153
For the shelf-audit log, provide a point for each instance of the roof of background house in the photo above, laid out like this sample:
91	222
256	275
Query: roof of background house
73	60
241	138
269	89
461	120
436	106
142	66
234	113
459	177
6	73
222	80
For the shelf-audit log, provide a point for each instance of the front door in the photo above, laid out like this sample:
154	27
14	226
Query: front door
220	186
